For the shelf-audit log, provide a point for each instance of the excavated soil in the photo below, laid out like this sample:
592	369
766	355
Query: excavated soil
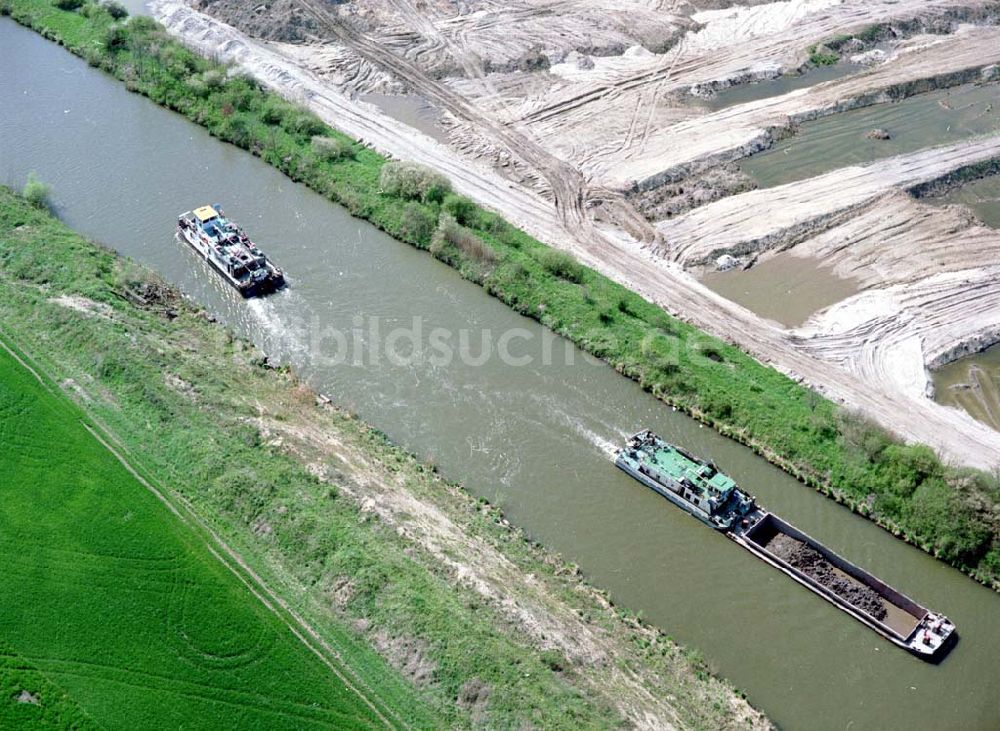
578	120
810	562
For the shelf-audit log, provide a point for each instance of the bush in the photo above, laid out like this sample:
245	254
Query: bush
69	4
303	123
906	466
197	86
243	93
36	192
213	79
276	110
451	233
332	149
860	438
179	62
115	9
411	181
823	56
142	24
417	224
562	265
116	38
463	209
235	129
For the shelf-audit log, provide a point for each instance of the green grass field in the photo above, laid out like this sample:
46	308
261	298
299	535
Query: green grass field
114	613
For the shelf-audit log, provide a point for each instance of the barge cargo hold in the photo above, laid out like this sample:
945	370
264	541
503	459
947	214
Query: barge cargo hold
714	498
229	251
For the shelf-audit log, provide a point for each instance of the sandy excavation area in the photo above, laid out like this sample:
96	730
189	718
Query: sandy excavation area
586	123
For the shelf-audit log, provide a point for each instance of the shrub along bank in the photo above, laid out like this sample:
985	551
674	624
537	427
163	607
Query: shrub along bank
949	512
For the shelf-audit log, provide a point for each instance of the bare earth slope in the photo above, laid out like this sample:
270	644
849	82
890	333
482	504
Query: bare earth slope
556	139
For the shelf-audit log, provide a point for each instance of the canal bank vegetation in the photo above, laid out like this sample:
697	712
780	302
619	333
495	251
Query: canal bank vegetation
949	512
366	543
36	192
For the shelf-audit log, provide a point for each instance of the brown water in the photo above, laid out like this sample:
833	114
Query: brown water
925	120
982	196
411	110
535	438
784	288
972	384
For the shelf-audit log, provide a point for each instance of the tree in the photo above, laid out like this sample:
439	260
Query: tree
36	192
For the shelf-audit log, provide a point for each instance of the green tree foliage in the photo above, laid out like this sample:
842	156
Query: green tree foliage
461	208
115	9
411	181
36	192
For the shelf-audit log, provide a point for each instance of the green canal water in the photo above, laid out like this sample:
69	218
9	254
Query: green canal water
982	196
972	384
536	438
926	120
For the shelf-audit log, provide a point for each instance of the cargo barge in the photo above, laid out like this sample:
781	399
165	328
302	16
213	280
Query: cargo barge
698	487
229	251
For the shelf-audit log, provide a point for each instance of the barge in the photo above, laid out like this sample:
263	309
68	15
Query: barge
229	251
698	487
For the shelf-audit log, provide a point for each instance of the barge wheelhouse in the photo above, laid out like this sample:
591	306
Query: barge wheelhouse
693	484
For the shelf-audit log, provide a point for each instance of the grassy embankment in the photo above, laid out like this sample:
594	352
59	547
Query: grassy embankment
951	513
116	614
283	480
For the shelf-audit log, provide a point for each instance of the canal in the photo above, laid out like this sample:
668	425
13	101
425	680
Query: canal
534	437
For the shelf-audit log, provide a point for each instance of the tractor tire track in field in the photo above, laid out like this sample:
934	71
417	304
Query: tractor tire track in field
223	552
288	711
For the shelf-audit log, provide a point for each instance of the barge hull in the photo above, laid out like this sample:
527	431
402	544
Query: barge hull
254	290
756	538
700	489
